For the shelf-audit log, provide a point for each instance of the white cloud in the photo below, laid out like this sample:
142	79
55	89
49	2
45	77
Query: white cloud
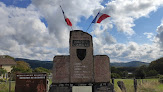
131	52
125	12
23	34
149	35
159	36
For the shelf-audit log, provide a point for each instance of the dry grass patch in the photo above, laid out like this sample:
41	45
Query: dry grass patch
149	86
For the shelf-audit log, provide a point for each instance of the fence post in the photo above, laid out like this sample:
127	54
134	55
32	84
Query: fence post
135	85
121	86
113	82
9	85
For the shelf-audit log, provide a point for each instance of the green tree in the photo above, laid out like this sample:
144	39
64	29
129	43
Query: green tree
124	74
2	71
41	70
157	65
21	67
141	72
115	75
7	56
116	71
152	73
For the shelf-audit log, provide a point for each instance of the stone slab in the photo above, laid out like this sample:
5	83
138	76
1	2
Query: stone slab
61	72
82	89
101	68
60	89
103	87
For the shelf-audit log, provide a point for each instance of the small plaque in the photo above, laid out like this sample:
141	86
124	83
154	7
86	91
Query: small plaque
81	43
31	82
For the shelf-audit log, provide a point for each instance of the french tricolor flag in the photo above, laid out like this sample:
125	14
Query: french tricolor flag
67	20
99	17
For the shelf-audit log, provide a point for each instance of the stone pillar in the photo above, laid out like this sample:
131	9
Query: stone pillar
81	57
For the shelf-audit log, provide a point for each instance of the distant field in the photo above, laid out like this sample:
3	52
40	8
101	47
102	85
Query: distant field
147	85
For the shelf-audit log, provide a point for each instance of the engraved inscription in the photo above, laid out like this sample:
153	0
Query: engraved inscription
81	43
81	71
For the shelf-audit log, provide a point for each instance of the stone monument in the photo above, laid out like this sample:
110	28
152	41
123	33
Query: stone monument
81	71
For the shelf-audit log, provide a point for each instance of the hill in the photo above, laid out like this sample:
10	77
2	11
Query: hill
49	64
36	63
129	64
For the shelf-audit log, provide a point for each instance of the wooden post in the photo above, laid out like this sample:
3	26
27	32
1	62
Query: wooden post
9	85
135	85
113	82
121	86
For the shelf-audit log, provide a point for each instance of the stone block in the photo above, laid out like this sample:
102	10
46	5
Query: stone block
101	68
61	67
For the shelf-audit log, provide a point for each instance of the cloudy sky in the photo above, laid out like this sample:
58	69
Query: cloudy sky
35	29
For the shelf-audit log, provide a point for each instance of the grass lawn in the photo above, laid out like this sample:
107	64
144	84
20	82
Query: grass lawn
4	86
147	85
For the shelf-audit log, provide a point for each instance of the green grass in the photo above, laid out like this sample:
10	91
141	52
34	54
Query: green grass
128	84
4	86
147	85
160	87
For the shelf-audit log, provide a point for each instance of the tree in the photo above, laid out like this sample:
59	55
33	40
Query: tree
7	56
2	71
157	65
141	72
114	70
152	73
41	70
124	74
22	67
115	75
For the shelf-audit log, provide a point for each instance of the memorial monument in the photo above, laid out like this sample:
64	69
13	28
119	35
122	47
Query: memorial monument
81	71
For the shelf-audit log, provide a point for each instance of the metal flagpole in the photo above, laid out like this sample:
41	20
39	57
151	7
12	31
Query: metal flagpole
71	28
65	17
93	20
89	27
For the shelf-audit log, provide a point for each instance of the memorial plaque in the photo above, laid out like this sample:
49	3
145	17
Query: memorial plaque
81	57
81	43
101	68
82	89
31	82
61	69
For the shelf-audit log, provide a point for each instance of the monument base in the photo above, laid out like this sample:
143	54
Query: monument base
83	87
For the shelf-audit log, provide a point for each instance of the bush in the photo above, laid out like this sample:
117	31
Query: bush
2	80
115	75
152	73
161	78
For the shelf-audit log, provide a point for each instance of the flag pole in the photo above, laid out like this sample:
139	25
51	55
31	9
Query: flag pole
65	17
89	27
92	21
71	28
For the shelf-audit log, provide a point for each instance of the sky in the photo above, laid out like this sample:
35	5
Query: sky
35	29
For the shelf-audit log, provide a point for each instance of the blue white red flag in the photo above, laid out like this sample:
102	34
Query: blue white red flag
99	17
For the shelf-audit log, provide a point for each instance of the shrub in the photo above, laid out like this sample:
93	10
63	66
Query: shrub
161	78
115	75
